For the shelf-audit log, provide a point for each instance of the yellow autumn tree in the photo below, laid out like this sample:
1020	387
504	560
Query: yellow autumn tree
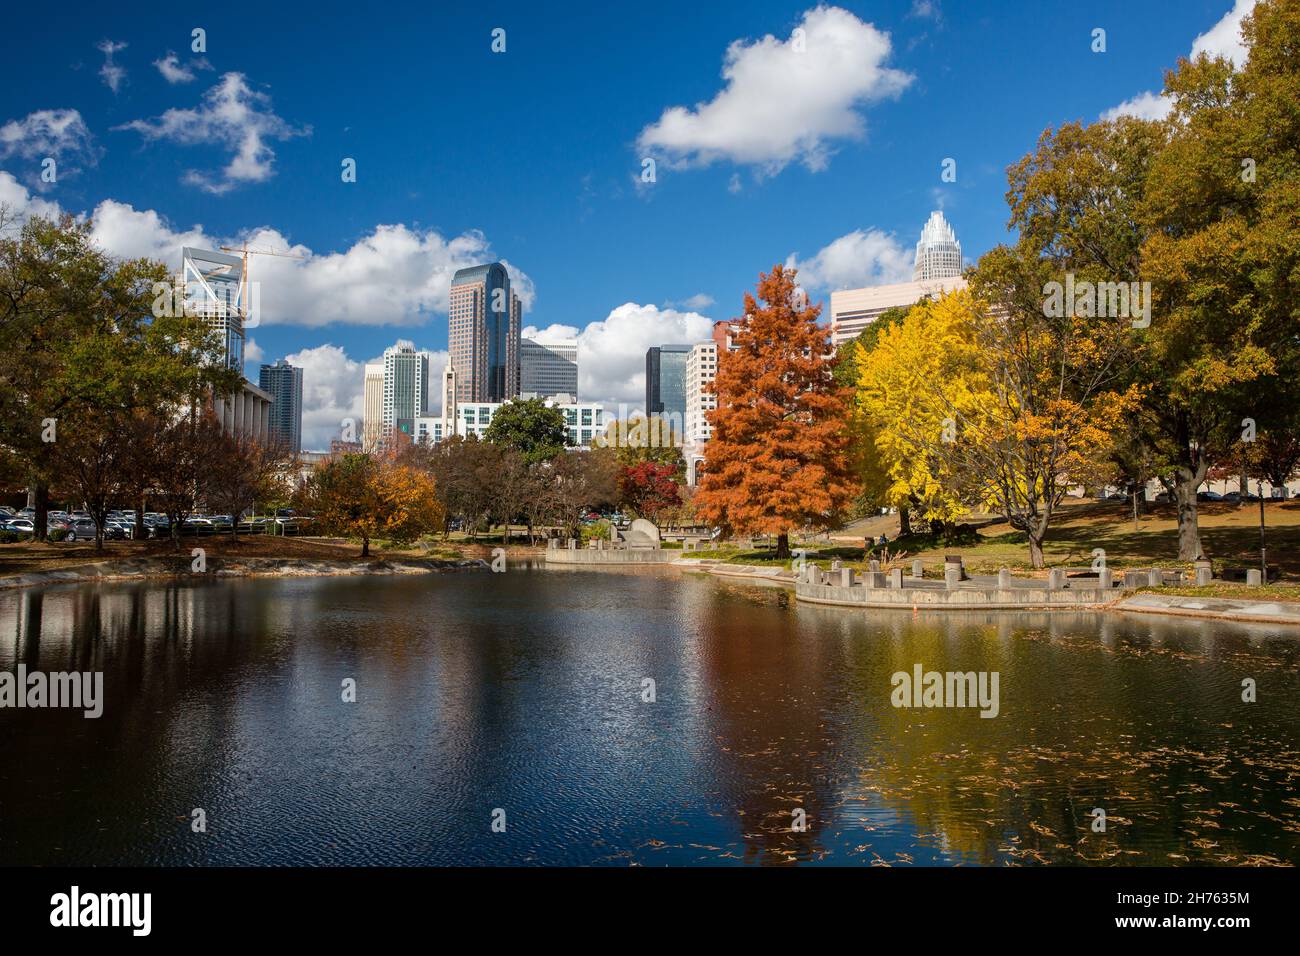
922	376
1004	409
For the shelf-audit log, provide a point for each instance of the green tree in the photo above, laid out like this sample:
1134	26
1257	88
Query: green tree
80	343
1223	250
531	427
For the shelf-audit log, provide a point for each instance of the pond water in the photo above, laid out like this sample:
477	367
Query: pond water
520	699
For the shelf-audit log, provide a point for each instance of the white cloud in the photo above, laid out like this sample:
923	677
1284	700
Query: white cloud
926	9
111	73
173	71
611	351
785	100
695	303
232	117
253	353
20	203
332	390
1222	39
552	333
853	260
396	275
1147	106
59	134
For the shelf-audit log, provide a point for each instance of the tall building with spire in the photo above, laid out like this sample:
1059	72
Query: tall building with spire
484	319
938	254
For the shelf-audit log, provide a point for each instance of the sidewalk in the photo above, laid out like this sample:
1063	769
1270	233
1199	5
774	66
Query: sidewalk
1271	612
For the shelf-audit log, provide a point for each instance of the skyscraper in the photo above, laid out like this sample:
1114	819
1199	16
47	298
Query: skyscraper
406	388
372	411
548	367
665	383
701	369
213	288
284	383
483	320
211	285
938	254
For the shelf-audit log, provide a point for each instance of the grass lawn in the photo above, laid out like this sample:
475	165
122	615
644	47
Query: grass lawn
1289	593
1230	536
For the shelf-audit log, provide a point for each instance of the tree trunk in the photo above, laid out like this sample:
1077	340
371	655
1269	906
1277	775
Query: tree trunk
1186	483
904	521
42	516
139	519
1036	551
782	546
365	547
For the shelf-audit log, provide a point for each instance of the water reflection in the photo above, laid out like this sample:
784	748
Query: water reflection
523	691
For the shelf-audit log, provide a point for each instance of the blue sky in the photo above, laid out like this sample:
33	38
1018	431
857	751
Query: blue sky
534	155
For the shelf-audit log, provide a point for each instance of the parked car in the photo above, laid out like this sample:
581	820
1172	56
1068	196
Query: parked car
21	525
81	530
1209	496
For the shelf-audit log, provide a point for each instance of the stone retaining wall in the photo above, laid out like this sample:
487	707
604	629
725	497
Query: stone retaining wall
957	598
594	556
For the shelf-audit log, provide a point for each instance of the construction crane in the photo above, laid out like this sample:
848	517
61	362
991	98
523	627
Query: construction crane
245	289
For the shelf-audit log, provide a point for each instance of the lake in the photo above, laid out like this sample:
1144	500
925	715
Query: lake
522	700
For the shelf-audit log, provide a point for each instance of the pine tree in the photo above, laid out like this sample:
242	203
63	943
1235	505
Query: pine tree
778	458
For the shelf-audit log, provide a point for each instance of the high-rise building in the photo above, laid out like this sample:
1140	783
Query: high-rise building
284	384
938	254
484	318
665	383
701	369
548	366
584	421
724	335
852	310
211	285
372	409
406	388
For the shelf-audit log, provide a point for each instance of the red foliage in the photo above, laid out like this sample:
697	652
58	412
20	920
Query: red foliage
649	488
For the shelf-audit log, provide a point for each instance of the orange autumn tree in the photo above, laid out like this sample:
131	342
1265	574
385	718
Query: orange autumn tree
362	497
778	458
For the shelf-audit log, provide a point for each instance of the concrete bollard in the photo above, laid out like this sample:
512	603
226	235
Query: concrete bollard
1254	577
952	576
896	578
1056	580
551	543
846	577
873	579
1134	579
837	565
573	544
1204	576
1155	578
874	565
1004	579
1105	579
918	569
952	566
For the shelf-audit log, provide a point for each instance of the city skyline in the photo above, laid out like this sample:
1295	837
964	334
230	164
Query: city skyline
595	252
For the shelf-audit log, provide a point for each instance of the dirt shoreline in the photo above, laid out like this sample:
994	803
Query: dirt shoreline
227	567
